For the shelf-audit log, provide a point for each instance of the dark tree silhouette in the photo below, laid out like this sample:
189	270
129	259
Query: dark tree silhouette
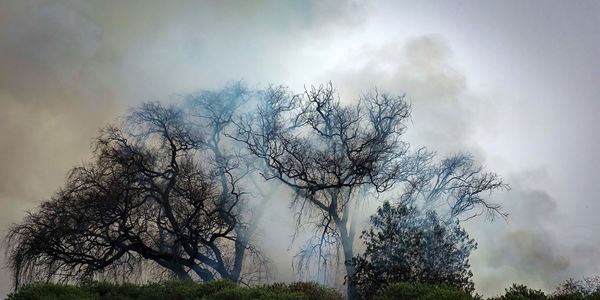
164	190
213	112
150	195
459	184
327	151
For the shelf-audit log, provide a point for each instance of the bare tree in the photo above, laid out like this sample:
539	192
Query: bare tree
212	113
455	188
420	239
165	187
151	195
327	151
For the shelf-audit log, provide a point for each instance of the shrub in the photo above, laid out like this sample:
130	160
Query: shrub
418	291
405	244
311	290
51	292
585	289
110	291
176	290
576	296
521	292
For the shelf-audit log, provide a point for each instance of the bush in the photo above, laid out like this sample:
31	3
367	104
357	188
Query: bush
585	289
521	292
405	244
311	290
176	290
418	291
51	292
576	296
109	291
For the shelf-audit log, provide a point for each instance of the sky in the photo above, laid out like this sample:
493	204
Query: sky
515	83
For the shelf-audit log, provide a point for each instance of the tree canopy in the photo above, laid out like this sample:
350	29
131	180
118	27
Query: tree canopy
406	245
170	190
151	194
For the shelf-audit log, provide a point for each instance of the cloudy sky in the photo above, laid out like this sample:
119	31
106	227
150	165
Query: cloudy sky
516	83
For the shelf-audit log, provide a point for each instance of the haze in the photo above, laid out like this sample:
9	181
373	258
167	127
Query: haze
516	83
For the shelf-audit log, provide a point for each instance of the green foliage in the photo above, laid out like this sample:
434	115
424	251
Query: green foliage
405	244
585	289
312	290
521	292
569	290
51	292
227	290
418	291
576	296
176	290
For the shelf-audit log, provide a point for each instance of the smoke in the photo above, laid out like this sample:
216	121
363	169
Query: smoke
525	249
532	247
68	67
52	103
449	116
444	108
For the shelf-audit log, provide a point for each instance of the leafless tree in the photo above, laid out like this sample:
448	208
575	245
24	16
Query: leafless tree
166	186
420	238
212	113
455	188
150	195
327	151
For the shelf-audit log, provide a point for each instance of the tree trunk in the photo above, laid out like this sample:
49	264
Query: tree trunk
181	273
347	245
240	251
204	274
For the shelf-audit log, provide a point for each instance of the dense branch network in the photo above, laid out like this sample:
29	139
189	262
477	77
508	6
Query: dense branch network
149	196
170	186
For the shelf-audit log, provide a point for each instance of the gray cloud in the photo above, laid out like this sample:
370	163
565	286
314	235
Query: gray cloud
512	82
531	247
524	249
69	67
446	111
449	115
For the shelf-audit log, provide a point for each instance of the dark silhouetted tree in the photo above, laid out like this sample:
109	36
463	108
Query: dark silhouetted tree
328	152
456	188
165	187
153	194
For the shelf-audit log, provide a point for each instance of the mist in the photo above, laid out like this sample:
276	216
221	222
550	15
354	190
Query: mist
513	83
